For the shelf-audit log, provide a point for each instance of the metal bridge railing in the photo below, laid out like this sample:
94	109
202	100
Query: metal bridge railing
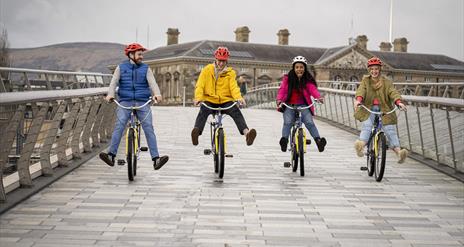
436	89
433	127
18	79
41	130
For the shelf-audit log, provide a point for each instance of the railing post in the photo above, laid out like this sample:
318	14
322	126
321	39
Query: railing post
434	133
451	139
420	129
45	151
24	160
7	142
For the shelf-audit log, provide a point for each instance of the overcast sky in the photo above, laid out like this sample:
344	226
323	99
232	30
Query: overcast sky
431	26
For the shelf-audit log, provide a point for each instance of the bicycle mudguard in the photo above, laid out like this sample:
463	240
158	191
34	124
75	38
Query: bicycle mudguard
376	139
136	140
216	140
127	140
304	140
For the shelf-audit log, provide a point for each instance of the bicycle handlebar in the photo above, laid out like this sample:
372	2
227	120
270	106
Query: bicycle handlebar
379	113
301	108
219	108
134	107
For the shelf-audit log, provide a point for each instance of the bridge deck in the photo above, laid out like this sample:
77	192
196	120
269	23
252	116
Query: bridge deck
258	203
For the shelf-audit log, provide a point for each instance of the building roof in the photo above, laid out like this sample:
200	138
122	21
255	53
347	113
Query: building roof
238	51
244	51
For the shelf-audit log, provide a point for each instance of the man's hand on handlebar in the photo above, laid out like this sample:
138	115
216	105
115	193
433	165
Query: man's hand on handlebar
109	98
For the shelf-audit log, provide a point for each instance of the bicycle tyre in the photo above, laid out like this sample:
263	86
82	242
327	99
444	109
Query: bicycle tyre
381	158
221	153
370	157
130	155
301	150
294	153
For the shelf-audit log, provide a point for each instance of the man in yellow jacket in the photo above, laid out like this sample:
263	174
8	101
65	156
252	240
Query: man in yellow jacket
217	87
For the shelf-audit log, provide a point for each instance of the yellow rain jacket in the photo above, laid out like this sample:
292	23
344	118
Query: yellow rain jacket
217	90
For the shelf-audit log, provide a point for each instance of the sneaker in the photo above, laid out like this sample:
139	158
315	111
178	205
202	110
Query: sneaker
195	133
159	162
320	143
283	144
250	137
402	154
359	147
108	158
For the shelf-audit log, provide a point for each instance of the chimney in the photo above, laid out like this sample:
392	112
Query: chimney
283	36
173	36
361	40
400	45
241	34
385	46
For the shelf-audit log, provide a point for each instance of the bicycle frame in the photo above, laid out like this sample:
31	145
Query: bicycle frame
377	127
134	123
216	124
298	123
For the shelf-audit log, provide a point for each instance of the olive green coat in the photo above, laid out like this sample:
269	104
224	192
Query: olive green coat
386	93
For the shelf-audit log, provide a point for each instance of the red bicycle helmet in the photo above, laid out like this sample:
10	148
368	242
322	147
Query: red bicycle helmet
134	47
374	61
222	53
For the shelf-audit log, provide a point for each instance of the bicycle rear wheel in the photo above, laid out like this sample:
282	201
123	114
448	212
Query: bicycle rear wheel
294	152
130	154
301	150
381	157
221	152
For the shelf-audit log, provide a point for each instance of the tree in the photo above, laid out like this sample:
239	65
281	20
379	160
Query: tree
4	49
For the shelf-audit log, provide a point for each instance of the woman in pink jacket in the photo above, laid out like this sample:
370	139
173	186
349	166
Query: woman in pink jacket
296	89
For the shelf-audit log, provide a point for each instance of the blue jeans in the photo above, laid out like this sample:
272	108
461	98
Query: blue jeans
390	132
306	118
144	115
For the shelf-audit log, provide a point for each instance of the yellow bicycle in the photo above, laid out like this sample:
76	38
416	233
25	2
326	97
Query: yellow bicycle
218	139
133	147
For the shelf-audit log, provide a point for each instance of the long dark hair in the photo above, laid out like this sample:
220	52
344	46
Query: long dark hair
296	83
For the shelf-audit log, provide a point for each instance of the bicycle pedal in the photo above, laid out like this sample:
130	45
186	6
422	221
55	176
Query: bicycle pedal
143	149
229	155
308	142
207	151
363	168
121	162
287	164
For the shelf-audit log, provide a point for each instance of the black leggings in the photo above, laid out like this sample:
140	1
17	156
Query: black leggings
233	112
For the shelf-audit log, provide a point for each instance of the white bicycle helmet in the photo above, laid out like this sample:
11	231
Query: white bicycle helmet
300	59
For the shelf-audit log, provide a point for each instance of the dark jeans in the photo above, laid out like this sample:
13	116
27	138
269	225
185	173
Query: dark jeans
234	112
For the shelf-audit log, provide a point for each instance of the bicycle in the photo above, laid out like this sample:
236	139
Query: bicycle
298	141
376	145
133	147
218	139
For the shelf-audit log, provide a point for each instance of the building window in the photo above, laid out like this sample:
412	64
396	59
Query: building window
408	78
354	78
201	66
243	70
428	79
284	71
337	78
264	70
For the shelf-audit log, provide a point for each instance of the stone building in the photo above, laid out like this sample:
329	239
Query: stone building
177	65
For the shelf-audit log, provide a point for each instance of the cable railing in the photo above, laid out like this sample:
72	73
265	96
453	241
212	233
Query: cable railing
42	130
19	79
433	127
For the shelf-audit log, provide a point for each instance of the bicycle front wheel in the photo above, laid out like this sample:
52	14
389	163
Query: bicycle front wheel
221	152
130	154
294	153
301	141
381	157
370	157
